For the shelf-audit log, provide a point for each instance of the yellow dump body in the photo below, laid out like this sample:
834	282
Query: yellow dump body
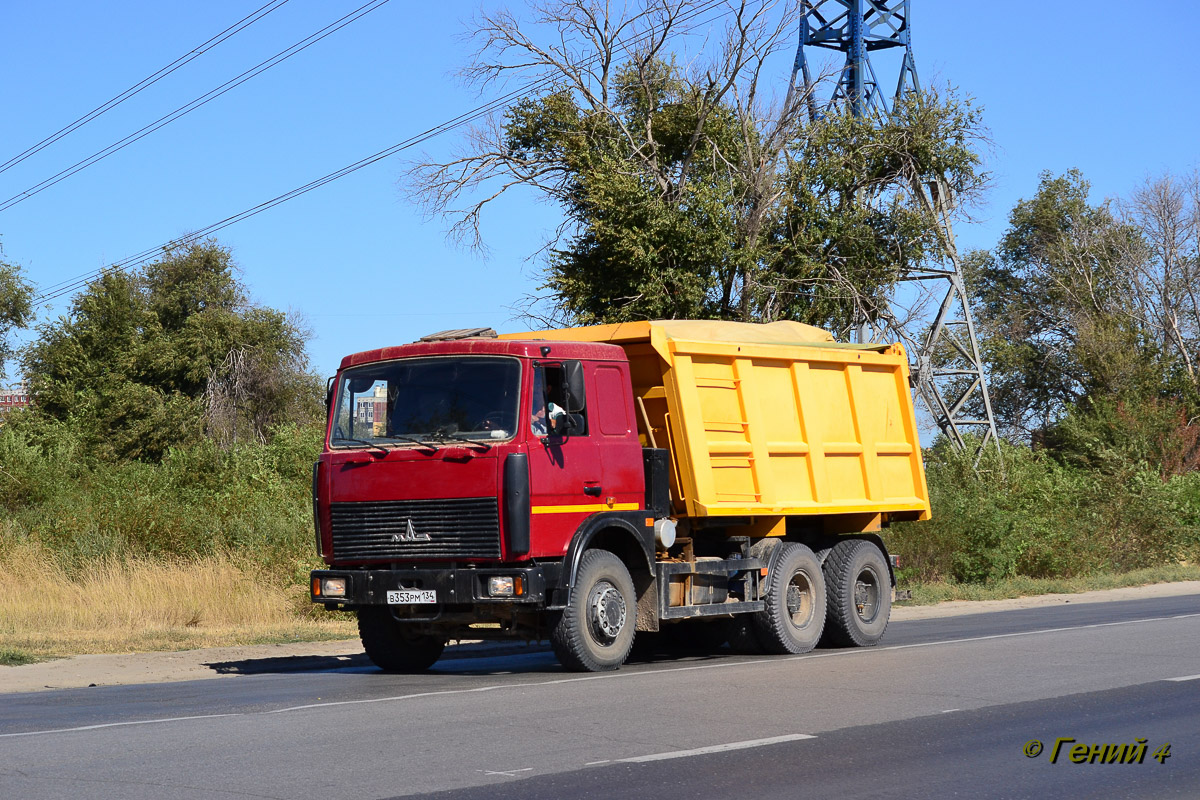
773	420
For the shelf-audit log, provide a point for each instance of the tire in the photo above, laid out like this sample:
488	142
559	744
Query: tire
859	594
795	614
392	646
596	630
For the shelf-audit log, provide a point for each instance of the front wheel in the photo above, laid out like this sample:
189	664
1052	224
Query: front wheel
860	594
393	646
595	632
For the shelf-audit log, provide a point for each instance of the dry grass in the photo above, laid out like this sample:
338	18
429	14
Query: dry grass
929	593
148	605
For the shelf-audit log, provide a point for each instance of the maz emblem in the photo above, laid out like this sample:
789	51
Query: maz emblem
410	534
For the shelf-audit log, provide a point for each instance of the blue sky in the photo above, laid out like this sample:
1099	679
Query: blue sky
1062	84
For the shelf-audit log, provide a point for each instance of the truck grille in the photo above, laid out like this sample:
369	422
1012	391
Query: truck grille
458	528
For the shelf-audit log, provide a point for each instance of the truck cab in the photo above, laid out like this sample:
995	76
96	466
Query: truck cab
458	474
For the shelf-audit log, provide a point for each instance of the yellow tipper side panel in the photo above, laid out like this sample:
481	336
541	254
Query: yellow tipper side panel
773	419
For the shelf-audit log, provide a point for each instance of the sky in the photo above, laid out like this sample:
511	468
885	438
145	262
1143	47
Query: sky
1102	87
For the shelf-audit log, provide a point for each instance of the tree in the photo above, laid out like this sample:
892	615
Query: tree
686	192
1051	304
1162	268
16	306
139	362
1090	321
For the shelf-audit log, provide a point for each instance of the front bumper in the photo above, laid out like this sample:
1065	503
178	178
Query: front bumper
454	585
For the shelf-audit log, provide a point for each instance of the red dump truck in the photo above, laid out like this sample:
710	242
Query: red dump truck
581	485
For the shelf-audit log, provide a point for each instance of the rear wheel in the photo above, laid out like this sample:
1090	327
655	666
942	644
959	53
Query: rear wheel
795	614
860	594
595	632
393	646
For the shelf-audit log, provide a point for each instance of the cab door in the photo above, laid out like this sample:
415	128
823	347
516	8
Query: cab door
565	470
615	432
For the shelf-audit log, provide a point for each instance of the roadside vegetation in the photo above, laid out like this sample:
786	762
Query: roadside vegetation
157	496
923	594
140	604
1029	515
209	546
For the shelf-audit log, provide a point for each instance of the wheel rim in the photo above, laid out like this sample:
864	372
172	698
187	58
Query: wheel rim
866	595
606	612
800	606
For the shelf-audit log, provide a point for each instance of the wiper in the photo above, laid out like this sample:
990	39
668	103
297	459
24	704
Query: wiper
412	439
379	447
449	437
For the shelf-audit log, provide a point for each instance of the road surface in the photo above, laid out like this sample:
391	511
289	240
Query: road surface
944	707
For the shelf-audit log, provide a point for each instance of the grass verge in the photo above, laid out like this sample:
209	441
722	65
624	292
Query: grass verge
937	592
141	605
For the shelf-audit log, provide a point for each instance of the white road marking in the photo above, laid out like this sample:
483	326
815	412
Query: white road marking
667	672
511	773
118	724
716	748
611	676
1186	678
601	761
950	710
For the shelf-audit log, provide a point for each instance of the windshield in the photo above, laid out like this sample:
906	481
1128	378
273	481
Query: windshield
427	400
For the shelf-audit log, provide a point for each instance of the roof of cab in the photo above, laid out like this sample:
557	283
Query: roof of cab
523	348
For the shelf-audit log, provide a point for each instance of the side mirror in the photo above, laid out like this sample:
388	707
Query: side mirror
362	384
576	396
329	392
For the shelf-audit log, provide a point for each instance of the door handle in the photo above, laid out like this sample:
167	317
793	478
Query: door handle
593	491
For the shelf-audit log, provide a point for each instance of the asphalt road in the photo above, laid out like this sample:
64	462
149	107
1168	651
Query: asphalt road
943	708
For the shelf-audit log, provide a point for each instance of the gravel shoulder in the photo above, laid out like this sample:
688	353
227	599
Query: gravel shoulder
224	662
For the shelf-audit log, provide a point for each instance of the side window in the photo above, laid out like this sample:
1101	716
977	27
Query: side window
548	413
611	396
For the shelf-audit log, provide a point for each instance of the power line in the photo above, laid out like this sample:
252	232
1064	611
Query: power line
67	287
57	290
191	55
203	99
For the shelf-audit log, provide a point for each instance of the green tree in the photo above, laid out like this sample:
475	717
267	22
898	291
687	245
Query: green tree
685	193
158	357
1053	309
16	306
1089	318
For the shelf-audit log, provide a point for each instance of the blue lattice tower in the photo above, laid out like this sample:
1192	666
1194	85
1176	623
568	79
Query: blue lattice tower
947	371
858	28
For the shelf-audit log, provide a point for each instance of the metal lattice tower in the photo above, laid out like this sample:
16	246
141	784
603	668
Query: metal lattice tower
947	371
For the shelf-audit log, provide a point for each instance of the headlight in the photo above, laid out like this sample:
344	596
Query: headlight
500	586
333	587
506	586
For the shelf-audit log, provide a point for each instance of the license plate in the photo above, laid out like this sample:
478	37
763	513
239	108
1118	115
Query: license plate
402	597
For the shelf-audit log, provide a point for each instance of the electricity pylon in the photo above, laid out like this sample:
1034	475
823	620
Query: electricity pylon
947	371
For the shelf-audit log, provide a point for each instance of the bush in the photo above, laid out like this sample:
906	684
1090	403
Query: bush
251	501
1028	514
1112	435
